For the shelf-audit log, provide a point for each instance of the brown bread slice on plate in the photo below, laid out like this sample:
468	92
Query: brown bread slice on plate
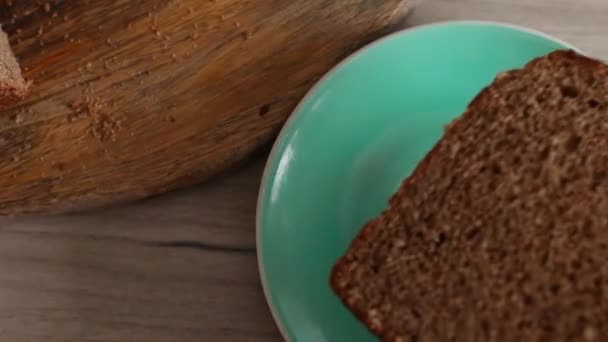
12	85
501	233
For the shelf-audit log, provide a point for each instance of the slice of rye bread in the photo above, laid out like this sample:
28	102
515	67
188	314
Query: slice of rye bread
12	85
501	232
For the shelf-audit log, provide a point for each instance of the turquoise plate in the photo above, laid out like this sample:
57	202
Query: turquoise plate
357	134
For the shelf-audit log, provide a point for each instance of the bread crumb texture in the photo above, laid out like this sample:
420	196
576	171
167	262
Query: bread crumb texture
501	233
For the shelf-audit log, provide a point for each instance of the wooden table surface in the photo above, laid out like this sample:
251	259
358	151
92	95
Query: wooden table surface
182	267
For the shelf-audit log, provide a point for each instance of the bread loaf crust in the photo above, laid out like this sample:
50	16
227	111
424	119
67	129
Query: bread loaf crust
13	87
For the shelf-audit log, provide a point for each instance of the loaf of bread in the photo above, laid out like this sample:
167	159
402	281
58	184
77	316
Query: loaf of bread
501	232
12	85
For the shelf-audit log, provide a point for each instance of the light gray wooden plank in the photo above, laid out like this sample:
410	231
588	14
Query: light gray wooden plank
181	267
582	23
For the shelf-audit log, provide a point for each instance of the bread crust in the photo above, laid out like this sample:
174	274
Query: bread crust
10	94
341	270
13	87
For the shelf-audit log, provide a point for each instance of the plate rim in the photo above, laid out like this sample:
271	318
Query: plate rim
295	113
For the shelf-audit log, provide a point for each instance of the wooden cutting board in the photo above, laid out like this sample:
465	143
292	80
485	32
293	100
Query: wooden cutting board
135	97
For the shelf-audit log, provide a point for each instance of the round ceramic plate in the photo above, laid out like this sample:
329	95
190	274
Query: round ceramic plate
352	140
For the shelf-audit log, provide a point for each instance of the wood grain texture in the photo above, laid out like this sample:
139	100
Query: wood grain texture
133	98
182	266
177	268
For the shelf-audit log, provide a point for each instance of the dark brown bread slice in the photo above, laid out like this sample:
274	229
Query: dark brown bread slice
501	233
12	85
